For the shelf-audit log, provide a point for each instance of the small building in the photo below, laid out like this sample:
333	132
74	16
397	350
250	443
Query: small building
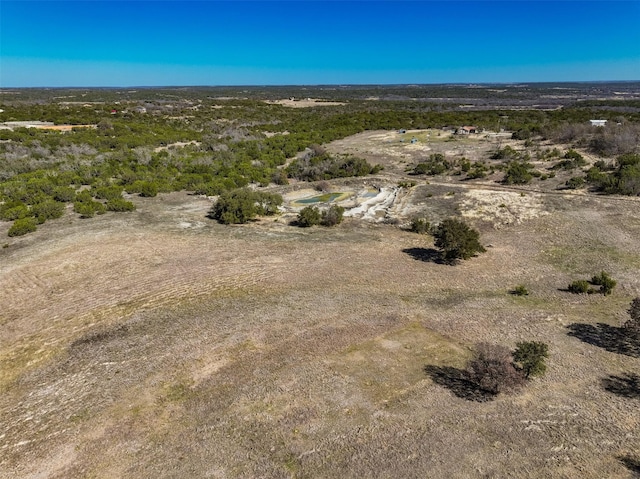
466	130
598	122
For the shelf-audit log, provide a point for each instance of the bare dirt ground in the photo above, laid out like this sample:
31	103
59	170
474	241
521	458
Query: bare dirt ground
160	344
304	103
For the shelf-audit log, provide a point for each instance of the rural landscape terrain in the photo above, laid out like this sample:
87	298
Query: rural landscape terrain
255	282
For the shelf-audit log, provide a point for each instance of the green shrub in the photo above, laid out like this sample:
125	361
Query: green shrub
457	240
107	192
575	182
419	225
580	286
606	283
13	210
120	204
520	290
23	226
279	177
241	205
64	194
530	357
46	210
309	216
518	173
148	189
87	209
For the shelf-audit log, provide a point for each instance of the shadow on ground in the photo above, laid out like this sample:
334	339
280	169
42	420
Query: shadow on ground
428	255
627	385
456	381
632	464
615	340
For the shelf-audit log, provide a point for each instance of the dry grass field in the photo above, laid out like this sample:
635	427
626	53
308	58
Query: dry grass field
159	343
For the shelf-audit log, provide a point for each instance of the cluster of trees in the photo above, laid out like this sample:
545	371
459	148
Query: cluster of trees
621	177
312	216
319	165
242	205
229	147
496	369
605	282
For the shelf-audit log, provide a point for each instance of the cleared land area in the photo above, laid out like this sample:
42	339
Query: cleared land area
159	343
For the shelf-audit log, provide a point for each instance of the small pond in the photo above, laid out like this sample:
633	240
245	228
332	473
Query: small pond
325	198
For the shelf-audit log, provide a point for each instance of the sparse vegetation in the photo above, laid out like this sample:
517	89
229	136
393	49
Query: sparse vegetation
198	341
420	226
606	283
520	290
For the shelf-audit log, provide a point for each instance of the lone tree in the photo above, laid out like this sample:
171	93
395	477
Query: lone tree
530	356
492	369
457	240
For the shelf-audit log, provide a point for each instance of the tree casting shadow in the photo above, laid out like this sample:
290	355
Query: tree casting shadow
457	381
627	385
428	255
615	340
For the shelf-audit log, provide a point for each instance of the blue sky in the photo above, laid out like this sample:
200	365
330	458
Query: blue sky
136	43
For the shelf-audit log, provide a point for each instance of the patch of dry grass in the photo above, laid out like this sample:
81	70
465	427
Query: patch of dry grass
137	346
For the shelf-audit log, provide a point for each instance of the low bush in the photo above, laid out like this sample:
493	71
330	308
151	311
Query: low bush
120	205
47	210
309	216
87	209
107	192
580	286
23	226
520	290
13	210
419	225
575	183
241	205
518	173
332	216
606	283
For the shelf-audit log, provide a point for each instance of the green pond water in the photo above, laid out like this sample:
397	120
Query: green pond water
320	198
